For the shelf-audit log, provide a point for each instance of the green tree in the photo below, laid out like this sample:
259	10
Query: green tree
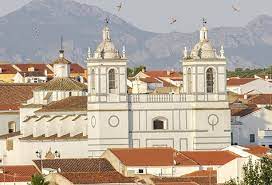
38	179
258	173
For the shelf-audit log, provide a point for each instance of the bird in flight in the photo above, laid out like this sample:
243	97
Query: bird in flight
173	20
119	7
235	9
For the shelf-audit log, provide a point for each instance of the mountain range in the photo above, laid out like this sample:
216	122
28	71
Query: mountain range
32	34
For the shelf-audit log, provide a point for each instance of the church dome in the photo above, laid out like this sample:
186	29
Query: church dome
106	49
203	49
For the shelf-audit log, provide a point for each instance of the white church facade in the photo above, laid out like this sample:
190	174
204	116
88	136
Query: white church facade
196	119
78	120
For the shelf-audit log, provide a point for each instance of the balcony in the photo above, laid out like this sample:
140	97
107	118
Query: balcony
264	133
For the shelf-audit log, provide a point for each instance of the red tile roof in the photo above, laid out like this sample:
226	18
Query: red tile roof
239	81
157	74
177	183
77	165
72	103
145	156
97	177
76	68
243	110
209	157
37	68
203	177
257	150
260	99
7	69
150	80
17	173
12	95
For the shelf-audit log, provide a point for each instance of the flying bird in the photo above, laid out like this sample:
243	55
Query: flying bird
173	20
235	9
119	7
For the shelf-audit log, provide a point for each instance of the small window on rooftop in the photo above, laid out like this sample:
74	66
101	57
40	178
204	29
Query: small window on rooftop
31	69
70	93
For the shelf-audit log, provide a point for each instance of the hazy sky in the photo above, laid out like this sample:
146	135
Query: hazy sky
154	15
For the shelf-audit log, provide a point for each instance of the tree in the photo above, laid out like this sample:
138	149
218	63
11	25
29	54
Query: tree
38	179
258	173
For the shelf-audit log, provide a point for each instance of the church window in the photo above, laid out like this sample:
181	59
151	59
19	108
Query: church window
189	80
112	81
159	124
93	79
210	80
12	127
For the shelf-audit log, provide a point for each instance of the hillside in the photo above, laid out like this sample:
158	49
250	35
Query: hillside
32	33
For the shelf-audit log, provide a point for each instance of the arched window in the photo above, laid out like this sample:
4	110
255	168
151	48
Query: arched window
12	127
189	81
159	124
93	79
112	82
210	80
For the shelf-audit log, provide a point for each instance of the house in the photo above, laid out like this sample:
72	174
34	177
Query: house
30	77
251	124
11	97
165	162
151	81
36	72
249	86
81	171
234	84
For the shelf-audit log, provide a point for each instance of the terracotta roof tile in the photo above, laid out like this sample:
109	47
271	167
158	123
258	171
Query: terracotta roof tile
209	157
177	183
261	99
7	69
98	177
37	67
150	80
32	74
72	103
198	177
243	110
17	173
239	81
76	68
13	95
157	74
257	150
145	156
77	165
62	84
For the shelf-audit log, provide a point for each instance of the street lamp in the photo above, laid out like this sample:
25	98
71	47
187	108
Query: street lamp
39	155
57	154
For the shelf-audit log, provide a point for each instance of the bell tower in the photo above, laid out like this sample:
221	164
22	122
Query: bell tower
107	97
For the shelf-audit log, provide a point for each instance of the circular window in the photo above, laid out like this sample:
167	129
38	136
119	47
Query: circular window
114	121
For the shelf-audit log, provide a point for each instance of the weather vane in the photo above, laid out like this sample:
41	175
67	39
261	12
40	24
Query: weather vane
204	21
61	42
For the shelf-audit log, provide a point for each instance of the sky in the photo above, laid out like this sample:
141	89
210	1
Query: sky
155	15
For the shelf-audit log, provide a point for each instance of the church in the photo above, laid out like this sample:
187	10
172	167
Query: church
75	120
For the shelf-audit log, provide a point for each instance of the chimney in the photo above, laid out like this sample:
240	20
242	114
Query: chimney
168	72
143	70
245	96
45	72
